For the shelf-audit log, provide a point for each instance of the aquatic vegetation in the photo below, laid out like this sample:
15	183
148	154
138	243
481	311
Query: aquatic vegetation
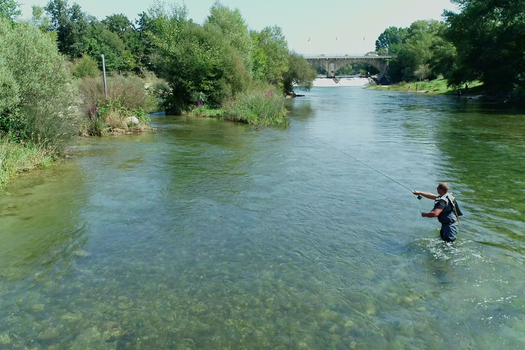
17	157
258	106
127	99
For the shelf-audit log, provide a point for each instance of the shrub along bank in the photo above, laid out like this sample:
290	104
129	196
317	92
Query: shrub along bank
37	99
125	109
256	106
434	87
42	107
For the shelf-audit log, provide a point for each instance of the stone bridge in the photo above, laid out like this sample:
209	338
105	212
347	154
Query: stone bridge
333	63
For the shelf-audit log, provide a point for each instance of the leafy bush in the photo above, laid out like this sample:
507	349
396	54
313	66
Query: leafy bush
257	106
9	98
203	111
111	117
17	157
85	67
300	73
129	91
40	102
198	62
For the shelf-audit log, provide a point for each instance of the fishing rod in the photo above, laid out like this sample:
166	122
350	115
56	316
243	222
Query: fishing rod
368	166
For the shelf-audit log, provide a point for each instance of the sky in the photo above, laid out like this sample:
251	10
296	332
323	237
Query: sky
311	27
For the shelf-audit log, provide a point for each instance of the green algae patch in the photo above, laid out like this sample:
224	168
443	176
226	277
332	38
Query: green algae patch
17	157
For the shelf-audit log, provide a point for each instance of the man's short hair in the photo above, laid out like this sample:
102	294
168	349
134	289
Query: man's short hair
443	186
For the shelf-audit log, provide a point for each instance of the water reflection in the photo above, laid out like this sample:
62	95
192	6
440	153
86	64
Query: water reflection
485	148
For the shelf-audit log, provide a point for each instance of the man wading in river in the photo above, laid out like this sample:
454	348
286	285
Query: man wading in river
445	209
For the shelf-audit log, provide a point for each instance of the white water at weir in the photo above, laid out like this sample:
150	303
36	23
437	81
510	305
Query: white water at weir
330	82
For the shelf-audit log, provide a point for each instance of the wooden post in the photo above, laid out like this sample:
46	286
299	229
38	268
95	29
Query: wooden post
104	74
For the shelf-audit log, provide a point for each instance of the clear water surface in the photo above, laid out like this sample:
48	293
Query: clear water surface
213	235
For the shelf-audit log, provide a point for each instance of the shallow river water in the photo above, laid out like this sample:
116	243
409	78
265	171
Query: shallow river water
214	235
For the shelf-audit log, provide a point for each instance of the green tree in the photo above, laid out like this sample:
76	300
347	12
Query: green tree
199	62
72	27
140	45
130	36
299	73
40	19
118	24
38	86
390	40
346	70
270	55
9	9
85	67
416	51
101	41
490	40
234	29
162	27
9	96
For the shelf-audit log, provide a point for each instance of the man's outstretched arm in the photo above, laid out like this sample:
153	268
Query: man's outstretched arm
426	194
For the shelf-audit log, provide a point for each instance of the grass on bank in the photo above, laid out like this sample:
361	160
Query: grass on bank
16	157
259	106
435	87
112	118
124	111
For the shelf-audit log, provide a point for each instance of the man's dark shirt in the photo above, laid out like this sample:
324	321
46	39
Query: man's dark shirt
440	204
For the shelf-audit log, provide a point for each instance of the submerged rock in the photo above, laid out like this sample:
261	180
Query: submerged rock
81	253
5	339
49	334
112	331
125	303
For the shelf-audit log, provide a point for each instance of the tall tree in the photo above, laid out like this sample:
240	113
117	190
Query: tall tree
270	55
299	73
101	41
71	25
489	36
234	29
414	54
130	36
9	9
390	40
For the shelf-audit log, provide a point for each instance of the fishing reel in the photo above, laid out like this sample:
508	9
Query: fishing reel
419	197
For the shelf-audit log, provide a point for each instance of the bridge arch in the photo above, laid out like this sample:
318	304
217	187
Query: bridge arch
333	63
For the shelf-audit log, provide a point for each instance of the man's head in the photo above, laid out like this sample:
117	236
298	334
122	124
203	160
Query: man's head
442	188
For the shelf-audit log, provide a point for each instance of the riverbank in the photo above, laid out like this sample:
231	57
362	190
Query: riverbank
17	158
433	87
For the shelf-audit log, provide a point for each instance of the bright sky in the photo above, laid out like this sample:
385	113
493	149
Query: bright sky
311	27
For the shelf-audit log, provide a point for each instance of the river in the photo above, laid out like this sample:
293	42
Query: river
214	235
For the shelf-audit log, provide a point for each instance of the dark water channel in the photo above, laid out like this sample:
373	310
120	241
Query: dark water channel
212	235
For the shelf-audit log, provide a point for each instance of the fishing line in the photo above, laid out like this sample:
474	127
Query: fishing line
368	166
371	168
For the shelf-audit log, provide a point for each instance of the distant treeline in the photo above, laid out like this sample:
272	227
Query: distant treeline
208	62
484	41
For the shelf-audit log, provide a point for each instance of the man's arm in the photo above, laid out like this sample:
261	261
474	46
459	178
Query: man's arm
426	194
433	214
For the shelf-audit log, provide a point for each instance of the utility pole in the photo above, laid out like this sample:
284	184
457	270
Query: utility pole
104	74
